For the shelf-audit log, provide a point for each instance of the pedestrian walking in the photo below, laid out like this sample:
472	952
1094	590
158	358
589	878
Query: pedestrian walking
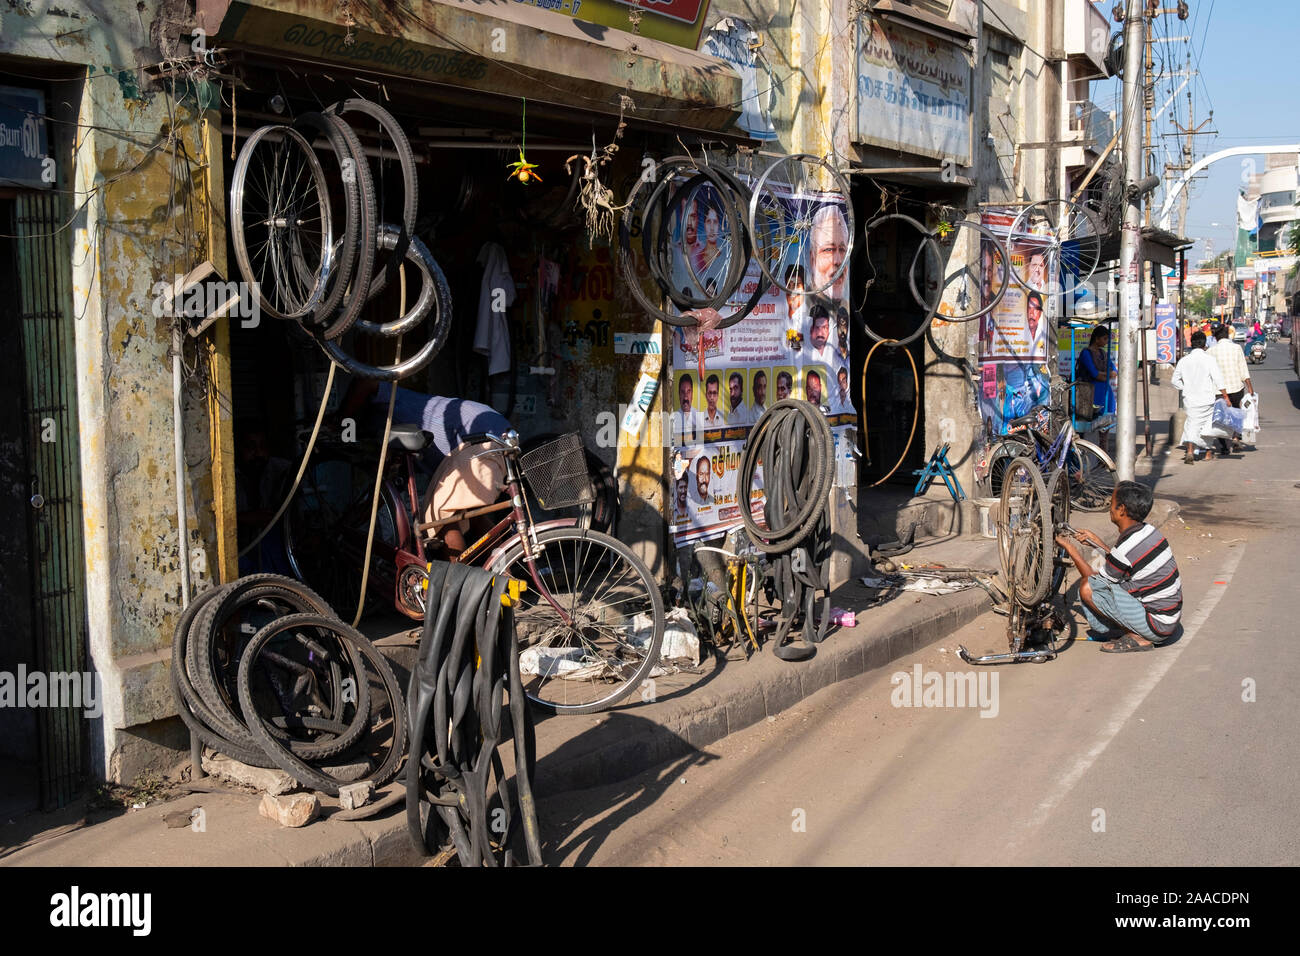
1236	377
1198	377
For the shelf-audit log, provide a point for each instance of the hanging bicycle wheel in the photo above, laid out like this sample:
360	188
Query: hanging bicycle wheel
1092	476
1025	532
616	620
700	251
955	285
927	241
1055	246
280	222
801	221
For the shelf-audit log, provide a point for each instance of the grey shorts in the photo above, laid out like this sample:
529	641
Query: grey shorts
1119	611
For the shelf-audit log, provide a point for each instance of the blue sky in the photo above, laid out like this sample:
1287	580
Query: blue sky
1248	53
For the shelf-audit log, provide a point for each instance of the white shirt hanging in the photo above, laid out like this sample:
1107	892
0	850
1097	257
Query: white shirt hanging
492	336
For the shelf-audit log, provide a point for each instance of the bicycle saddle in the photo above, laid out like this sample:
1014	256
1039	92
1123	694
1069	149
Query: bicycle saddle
1023	422
408	438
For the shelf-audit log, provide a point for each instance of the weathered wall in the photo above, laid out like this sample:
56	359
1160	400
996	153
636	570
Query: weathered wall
139	223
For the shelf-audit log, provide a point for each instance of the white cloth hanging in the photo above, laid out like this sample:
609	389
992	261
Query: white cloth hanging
492	336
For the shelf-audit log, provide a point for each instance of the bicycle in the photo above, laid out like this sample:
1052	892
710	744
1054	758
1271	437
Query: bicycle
590	623
1089	469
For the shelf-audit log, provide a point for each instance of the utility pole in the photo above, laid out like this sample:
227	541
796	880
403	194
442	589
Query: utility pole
1130	244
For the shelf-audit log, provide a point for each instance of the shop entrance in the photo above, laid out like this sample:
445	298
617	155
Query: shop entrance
42	742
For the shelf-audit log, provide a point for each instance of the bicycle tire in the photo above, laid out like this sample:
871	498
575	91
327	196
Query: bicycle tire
285	758
926	236
1000	456
361	236
760	284
437	337
1058	493
532	610
410	183
1000	252
1028	528
434	294
627	260
239	229
200	650
842	188
738	255
1092	491
350	251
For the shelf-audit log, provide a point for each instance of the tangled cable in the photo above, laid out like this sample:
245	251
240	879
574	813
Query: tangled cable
792	443
460	719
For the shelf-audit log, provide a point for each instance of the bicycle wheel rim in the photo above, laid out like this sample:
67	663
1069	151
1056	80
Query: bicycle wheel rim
926	237
1026	513
1092	476
963	278
1066	235
1058	494
791	214
262	219
603	586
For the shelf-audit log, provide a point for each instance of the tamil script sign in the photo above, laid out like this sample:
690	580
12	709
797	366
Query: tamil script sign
679	22
1166	329
913	92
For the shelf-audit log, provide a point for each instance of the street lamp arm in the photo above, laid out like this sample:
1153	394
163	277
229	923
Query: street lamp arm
1166	211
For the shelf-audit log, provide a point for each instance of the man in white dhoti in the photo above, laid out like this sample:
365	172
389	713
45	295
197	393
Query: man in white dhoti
1198	376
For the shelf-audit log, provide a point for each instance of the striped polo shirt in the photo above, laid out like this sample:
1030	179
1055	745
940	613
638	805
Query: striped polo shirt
1143	564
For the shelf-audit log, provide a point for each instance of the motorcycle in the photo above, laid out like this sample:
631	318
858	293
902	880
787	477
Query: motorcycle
1256	352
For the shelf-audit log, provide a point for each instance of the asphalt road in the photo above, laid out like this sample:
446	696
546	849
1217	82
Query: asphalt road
1185	755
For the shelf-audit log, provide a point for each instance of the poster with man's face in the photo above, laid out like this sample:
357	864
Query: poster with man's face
757	362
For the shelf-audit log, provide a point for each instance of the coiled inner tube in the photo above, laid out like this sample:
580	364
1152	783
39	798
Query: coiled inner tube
459	719
793	443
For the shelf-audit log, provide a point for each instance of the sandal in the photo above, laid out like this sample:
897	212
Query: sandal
1124	645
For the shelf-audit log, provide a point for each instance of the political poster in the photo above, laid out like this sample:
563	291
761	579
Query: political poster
793	345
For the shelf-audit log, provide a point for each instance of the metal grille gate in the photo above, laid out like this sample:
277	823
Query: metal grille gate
46	319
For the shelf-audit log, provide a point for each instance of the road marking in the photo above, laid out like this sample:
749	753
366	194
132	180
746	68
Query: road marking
1139	692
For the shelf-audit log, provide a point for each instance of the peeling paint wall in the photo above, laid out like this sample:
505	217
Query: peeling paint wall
141	222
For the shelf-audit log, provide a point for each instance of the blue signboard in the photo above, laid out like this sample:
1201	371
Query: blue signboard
1166	330
24	150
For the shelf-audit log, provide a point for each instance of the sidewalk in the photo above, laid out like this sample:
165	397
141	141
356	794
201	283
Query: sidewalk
692	711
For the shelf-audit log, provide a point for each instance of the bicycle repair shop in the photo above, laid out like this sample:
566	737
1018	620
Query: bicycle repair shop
492	108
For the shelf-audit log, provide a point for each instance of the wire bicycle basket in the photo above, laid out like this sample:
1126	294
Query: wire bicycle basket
557	473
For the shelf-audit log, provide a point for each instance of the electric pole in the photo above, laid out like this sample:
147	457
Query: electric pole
1130	270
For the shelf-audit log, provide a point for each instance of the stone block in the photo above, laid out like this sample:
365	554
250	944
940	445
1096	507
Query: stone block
273	782
290	810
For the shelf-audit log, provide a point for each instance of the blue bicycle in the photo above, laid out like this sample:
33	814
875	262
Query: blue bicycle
1047	436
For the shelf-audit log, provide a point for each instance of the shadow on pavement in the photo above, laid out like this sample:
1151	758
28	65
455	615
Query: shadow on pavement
584	836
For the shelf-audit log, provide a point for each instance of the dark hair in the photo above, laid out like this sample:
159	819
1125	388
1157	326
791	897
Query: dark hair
1198	340
1135	499
812	372
758	373
1223	331
711	380
1035	297
1099	332
734	376
789	379
793	272
818	312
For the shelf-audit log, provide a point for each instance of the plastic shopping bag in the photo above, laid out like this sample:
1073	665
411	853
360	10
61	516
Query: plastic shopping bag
1250	405
1227	418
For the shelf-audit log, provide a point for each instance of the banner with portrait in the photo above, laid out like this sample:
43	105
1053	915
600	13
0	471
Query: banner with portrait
1013	337
791	346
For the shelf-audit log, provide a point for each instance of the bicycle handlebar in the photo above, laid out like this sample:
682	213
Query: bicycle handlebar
509	440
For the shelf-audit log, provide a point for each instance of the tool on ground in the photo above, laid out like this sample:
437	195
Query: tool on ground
939	467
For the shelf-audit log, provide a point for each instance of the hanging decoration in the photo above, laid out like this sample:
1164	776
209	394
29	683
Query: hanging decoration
523	170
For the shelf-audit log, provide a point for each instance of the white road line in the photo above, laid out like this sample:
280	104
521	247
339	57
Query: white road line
1168	656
